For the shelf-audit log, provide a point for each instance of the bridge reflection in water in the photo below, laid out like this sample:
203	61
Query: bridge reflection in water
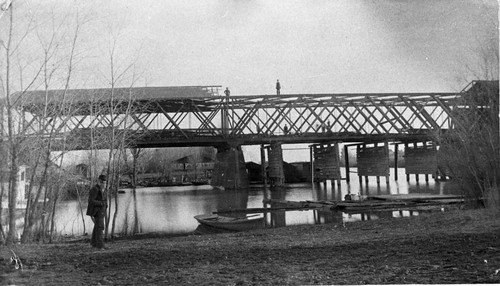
170	210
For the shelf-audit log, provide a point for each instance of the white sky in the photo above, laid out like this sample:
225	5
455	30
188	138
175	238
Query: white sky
320	46
311	46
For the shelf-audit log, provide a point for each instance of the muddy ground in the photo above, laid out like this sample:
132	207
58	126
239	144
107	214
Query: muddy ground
452	247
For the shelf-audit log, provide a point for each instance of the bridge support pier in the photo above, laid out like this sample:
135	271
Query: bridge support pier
326	163
373	161
229	170
421	160
276	173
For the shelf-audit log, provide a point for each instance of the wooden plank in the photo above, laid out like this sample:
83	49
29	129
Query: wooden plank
360	207
352	206
408	208
366	205
414	196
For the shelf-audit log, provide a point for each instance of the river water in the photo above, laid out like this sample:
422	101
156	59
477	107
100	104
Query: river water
170	210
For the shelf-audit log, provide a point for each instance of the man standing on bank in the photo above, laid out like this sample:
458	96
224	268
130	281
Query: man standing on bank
278	87
97	210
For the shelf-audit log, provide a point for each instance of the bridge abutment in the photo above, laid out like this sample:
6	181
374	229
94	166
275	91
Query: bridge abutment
229	169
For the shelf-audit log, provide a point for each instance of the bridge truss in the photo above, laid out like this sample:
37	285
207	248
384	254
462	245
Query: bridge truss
198	116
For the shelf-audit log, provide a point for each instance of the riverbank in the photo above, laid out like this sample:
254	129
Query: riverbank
451	247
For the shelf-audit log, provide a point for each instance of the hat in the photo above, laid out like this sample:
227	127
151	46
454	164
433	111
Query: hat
102	178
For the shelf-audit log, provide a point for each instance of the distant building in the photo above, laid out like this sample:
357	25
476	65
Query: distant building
21	186
254	172
190	169
303	169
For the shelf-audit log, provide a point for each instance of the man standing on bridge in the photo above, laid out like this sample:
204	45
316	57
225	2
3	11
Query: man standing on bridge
278	87
227	92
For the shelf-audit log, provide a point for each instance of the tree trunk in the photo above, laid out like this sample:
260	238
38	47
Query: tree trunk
11	235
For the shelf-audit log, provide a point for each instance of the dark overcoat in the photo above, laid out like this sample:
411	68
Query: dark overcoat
97	202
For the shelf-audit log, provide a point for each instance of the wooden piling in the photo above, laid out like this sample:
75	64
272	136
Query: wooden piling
358	149
396	162
347	171
416	175
263	164
386	145
406	151
426	176
311	159
436	173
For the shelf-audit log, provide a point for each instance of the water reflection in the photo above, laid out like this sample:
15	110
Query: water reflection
171	209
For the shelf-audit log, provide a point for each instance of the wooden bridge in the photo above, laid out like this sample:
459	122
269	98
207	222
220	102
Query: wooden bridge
199	116
147	117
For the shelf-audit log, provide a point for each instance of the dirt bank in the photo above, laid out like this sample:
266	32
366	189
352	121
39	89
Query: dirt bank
453	247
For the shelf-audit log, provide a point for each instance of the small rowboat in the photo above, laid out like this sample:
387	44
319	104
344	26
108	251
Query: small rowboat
231	223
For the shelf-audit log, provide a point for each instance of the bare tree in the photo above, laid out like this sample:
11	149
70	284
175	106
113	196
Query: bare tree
118	142
471	149
42	57
12	138
114	108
